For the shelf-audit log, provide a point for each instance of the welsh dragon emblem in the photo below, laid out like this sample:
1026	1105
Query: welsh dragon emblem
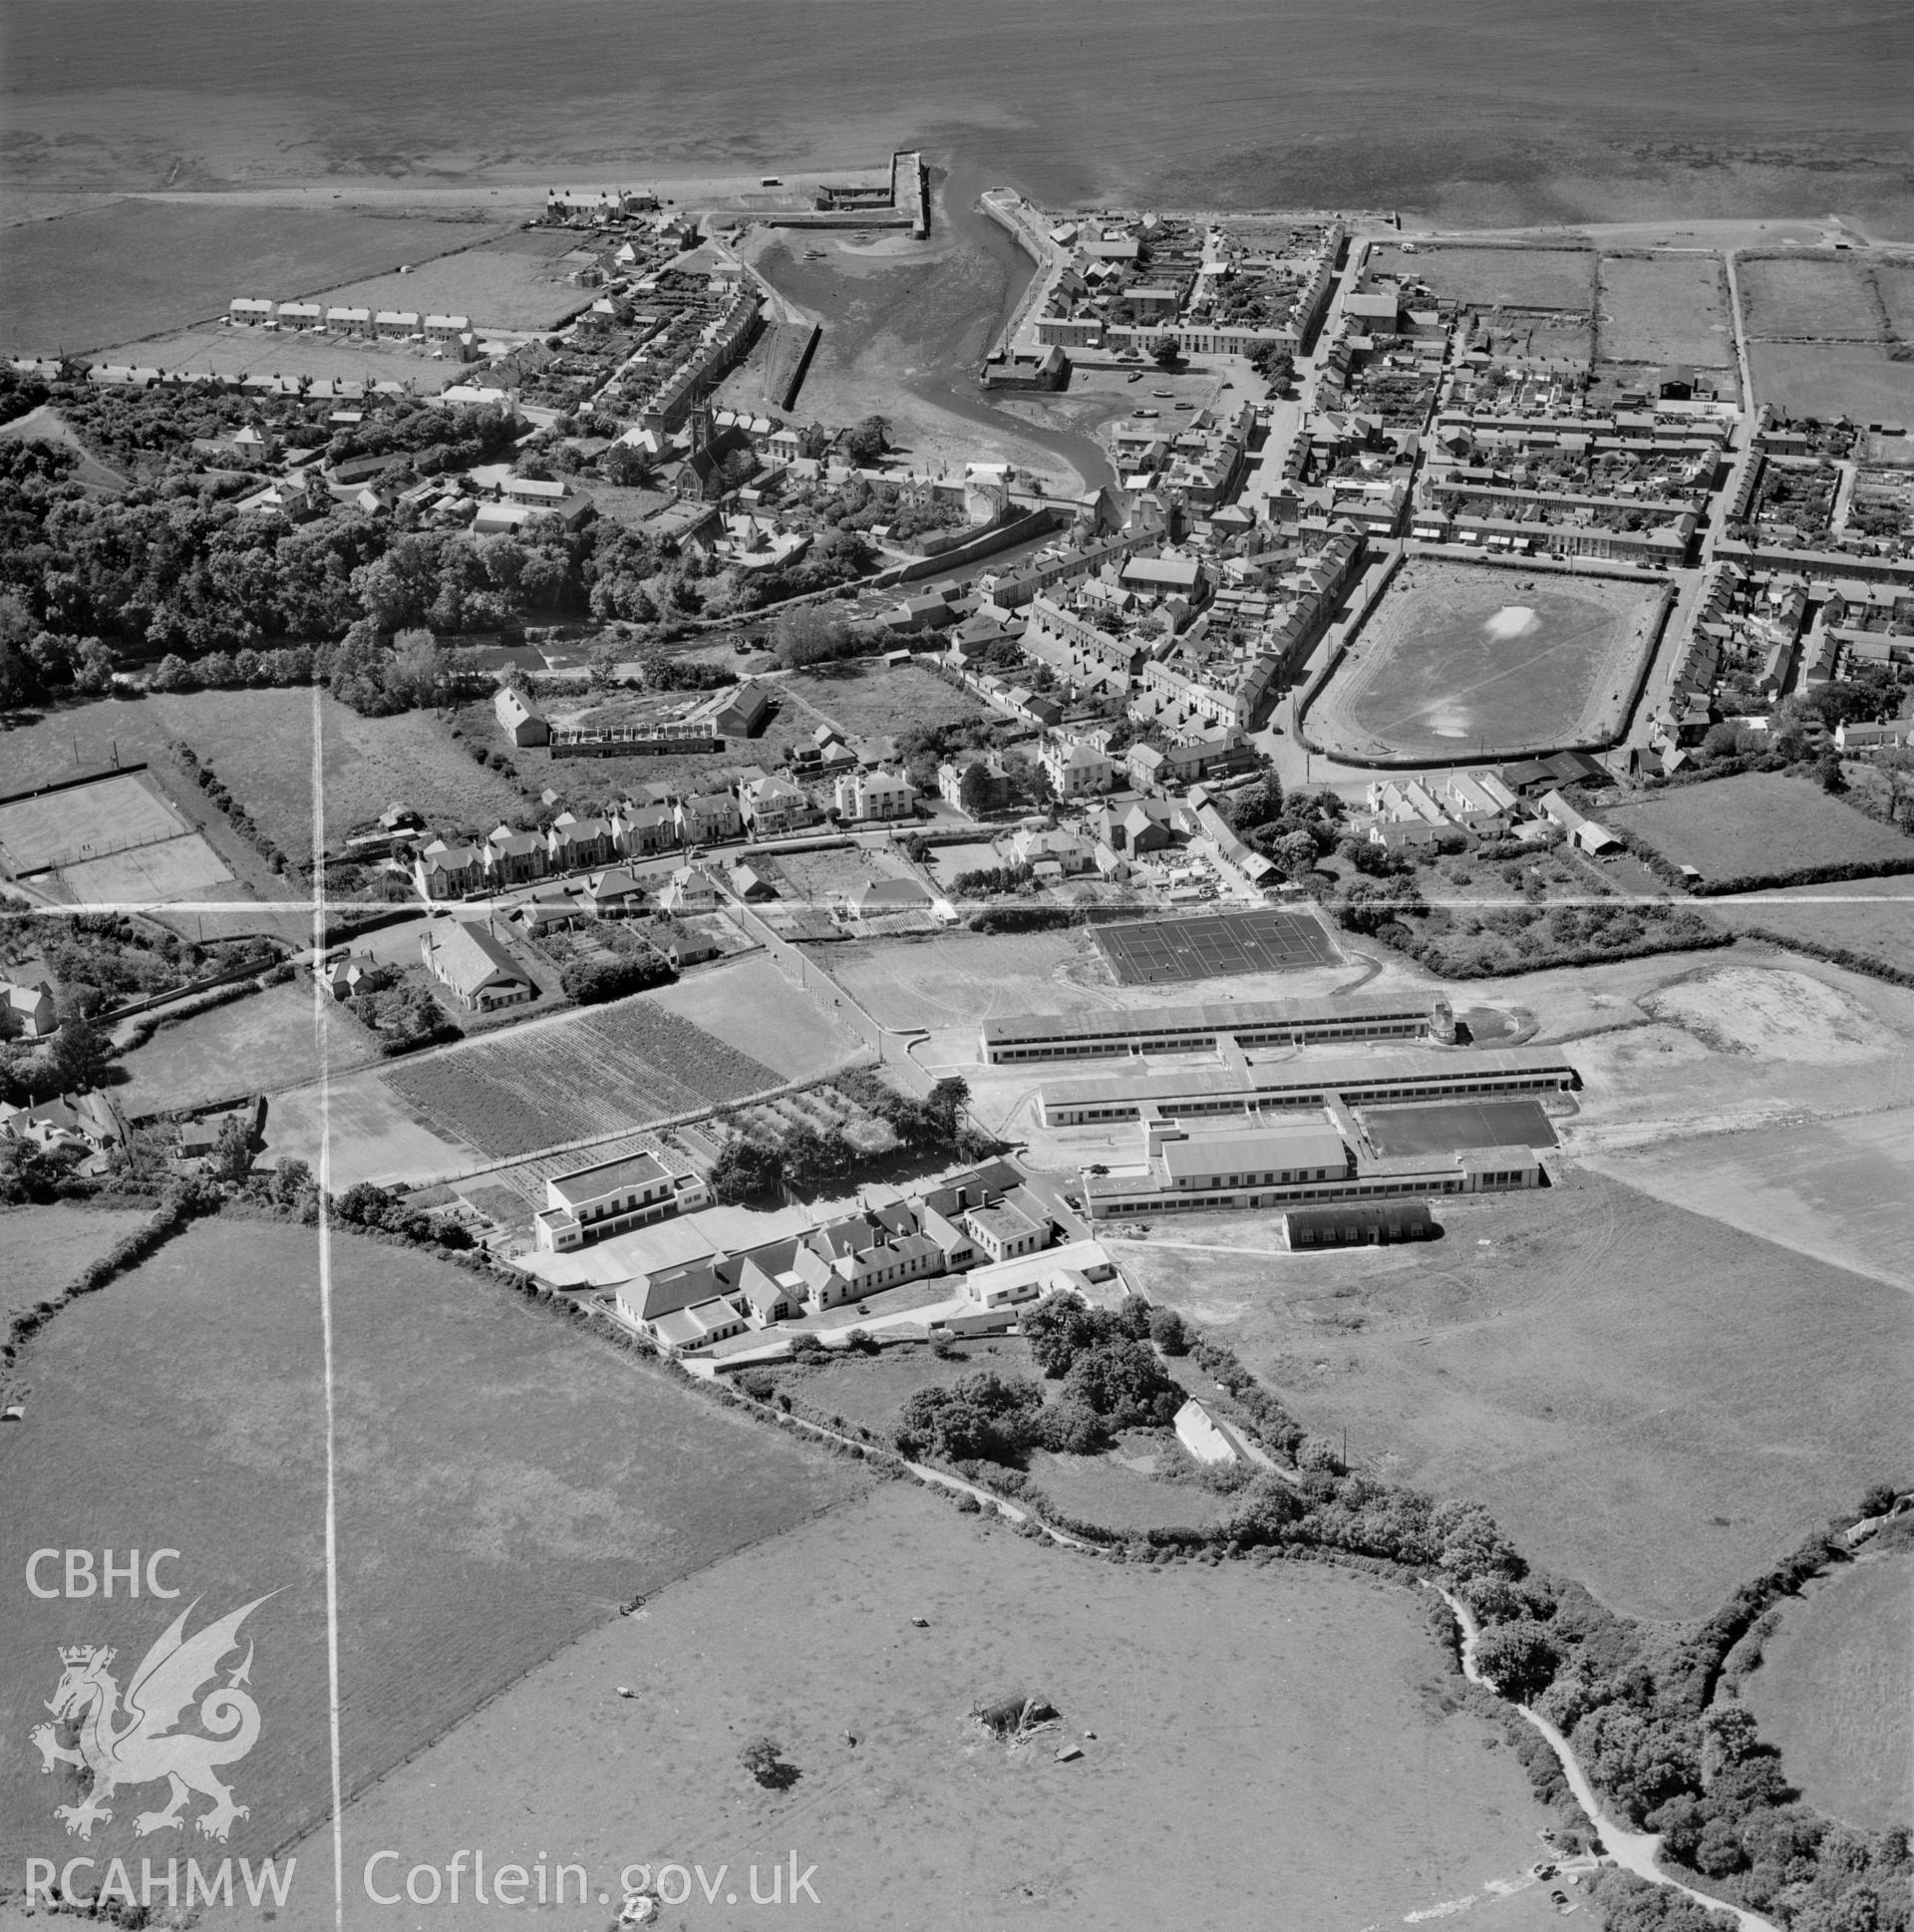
137	1744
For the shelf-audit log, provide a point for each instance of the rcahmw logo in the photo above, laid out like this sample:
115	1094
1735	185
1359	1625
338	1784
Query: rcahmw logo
184	1716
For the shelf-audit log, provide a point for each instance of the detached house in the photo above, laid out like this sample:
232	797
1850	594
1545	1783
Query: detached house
480	974
1076	767
874	795
774	806
27	1012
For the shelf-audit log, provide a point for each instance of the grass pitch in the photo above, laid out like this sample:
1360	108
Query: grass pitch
1462	662
1159	951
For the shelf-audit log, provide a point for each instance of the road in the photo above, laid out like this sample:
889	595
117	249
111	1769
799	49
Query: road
1633	1851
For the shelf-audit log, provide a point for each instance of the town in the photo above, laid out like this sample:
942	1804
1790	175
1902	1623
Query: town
1257	902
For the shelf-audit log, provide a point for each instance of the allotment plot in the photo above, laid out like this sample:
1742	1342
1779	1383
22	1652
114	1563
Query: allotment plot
1157	952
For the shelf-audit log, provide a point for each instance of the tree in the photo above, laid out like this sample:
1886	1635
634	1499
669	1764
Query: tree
976	786
291	1182
1517	1658
1833	778
867	442
764	1758
1166	352
231	1157
1296	852
809	635
1170	1330
78	1058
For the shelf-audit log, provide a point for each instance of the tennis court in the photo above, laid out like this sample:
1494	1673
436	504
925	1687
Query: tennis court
1457	1124
81	821
1158	952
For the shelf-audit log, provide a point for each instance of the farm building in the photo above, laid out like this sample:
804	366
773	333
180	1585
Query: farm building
519	719
1211	1439
474	966
1358	1224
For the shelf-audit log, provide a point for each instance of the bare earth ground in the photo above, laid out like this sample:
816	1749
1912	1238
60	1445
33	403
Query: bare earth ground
861	699
182	1407
372	1133
1270	1747
44	1249
1651	1401
754	1007
1835	1692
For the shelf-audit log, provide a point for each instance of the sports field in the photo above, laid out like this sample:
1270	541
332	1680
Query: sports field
504	1483
1668	308
82	821
1157	952
1462	660
1460	1124
114	841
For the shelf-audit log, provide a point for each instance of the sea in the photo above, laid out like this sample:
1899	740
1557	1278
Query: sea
1470	113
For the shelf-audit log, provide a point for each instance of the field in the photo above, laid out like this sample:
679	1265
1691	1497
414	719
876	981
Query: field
969	976
1458	660
1759	826
137	268
761	1013
626	1065
1835	1691
869	1392
1874	918
1158	952
1260	1747
1110	1491
516	282
1653	1401
249	352
1828	301
185	1407
252	1046
1439	1128
1896	285
1672	308
260	745
372	1134
42	1248
1520	278
1829	379
864	700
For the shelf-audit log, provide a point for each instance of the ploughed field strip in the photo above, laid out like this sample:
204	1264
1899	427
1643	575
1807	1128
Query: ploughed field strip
620	1068
1162	951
